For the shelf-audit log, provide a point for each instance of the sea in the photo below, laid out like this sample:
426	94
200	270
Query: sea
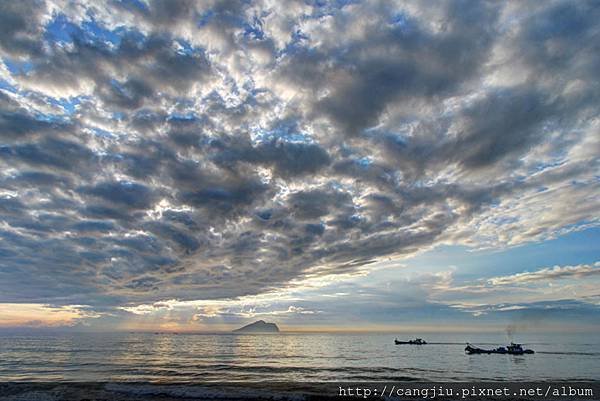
287	356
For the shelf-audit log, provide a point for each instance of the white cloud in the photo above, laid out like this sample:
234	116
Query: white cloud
549	273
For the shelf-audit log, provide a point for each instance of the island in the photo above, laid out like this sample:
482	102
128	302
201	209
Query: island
259	326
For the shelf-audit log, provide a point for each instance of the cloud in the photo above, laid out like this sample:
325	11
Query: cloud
250	313
22	24
226	149
38	315
555	286
550	273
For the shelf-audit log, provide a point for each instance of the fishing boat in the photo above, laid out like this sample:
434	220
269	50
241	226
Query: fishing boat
416	341
512	349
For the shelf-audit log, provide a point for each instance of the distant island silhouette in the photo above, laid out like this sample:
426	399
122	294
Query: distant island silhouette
260	326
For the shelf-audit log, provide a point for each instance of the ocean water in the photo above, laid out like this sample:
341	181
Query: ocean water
193	358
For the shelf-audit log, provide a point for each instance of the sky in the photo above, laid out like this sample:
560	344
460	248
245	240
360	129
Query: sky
325	165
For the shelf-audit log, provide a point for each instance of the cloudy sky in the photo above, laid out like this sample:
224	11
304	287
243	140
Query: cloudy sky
353	165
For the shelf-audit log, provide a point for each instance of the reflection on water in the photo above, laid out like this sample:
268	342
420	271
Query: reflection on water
288	356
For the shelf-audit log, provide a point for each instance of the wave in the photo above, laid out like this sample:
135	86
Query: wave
569	353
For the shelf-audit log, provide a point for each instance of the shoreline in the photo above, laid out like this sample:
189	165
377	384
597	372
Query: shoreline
148	391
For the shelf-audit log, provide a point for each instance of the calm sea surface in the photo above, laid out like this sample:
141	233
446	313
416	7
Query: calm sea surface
184	358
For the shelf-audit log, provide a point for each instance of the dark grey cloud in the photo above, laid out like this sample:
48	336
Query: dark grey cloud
21	22
50	152
16	123
122	193
399	62
207	150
